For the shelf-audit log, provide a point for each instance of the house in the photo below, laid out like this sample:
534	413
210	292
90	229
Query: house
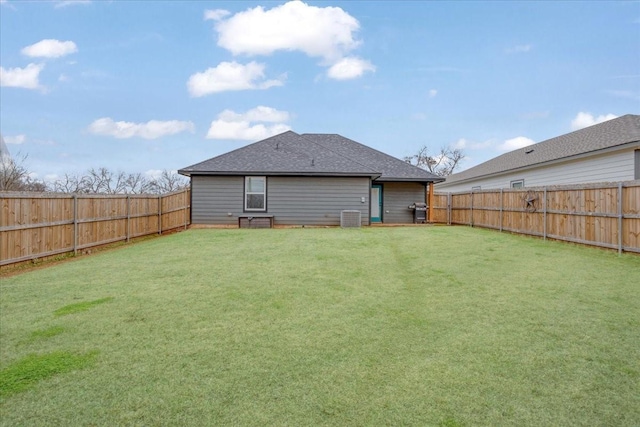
609	151
308	179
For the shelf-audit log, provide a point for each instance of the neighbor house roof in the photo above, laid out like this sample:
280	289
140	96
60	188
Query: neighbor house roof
607	135
311	154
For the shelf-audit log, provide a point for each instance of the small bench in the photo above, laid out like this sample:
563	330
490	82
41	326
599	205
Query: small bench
255	221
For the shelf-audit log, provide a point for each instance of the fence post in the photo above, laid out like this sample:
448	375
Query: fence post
620	217
160	214
544	214
186	211
448	208
501	204
128	217
471	211
75	224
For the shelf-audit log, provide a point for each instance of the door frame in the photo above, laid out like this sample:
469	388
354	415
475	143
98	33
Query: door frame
379	201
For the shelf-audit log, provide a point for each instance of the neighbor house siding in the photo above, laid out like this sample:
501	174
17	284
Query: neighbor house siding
215	197
396	198
316	200
617	166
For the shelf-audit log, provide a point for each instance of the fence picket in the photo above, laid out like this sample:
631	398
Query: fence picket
37	225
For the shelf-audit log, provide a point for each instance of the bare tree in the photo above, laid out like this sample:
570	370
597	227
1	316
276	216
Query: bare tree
69	184
14	175
136	183
442	164
104	181
169	181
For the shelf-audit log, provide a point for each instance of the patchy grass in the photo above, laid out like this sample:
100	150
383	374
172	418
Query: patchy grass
26	372
80	306
49	332
448	326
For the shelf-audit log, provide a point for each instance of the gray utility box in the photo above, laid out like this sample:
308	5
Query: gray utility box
419	213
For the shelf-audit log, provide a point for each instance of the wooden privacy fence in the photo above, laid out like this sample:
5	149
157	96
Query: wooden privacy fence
38	225
605	215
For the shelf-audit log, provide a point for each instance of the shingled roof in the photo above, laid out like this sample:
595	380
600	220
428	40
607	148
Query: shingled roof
310	155
389	167
613	133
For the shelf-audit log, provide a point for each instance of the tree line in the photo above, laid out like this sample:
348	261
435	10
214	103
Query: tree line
14	176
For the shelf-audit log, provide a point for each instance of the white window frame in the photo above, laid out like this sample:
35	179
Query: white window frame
518	183
247	193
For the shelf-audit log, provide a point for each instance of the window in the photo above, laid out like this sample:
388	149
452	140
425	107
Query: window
517	183
255	193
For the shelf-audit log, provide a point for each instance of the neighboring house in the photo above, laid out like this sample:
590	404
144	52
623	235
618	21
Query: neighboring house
5	155
305	179
609	151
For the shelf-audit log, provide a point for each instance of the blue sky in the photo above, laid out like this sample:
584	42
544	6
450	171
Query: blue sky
140	86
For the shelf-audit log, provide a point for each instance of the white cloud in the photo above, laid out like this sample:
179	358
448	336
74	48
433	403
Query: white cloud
65	3
18	139
243	126
151	130
349	68
521	48
63	78
325	32
584	120
515	143
464	143
26	77
215	15
50	48
460	144
230	76
433	93
258	114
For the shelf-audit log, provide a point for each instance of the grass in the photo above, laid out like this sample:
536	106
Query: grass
33	368
80	306
444	326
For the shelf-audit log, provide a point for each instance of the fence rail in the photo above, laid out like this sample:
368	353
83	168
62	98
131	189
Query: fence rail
605	215
37	225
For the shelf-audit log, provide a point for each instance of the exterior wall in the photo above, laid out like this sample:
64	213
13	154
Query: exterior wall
214	197
396	198
617	166
291	200
316	200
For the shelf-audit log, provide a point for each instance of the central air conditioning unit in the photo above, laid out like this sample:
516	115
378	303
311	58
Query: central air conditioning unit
350	219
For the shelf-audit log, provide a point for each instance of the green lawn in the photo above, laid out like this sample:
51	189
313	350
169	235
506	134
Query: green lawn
444	326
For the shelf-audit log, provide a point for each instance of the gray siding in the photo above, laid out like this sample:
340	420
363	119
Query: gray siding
291	200
616	166
316	200
637	164
214	197
396	198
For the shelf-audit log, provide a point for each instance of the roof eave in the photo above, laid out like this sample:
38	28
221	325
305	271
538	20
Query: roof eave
271	173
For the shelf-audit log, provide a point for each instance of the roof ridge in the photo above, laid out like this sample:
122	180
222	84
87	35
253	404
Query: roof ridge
335	152
374	149
240	148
